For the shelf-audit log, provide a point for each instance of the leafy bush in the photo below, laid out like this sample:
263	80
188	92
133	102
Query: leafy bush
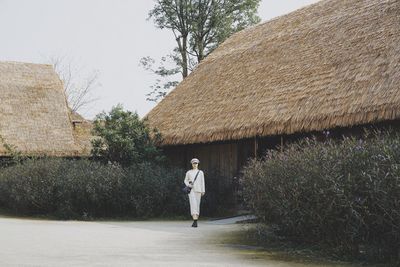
82	189
124	139
157	190
342	194
219	199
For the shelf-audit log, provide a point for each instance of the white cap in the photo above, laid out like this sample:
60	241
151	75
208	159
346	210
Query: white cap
195	161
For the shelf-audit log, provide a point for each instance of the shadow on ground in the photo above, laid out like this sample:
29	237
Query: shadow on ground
242	239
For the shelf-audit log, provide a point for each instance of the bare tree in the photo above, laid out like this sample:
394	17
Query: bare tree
78	90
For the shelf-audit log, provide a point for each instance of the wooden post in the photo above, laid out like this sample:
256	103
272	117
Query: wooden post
255	147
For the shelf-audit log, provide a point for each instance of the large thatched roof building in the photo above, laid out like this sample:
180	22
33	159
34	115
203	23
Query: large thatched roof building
34	117
332	64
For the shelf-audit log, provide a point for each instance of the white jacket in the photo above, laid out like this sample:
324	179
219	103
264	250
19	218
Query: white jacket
199	185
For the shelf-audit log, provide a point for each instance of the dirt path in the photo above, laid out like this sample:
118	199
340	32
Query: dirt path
172	243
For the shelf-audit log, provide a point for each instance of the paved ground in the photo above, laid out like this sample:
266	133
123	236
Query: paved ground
26	242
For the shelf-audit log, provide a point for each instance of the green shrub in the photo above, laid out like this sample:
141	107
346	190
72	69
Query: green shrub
219	199
342	194
157	190
82	189
123	138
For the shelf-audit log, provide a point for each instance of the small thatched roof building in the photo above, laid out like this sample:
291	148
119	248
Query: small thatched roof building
82	131
331	64
34	117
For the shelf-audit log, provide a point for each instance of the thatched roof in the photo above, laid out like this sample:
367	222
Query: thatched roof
34	118
82	131
334	63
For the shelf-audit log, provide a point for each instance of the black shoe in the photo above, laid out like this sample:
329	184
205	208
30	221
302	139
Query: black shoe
194	223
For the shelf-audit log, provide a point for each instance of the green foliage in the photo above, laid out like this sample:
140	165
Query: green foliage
124	139
212	22
342	194
199	26
83	189
206	23
219	199
13	156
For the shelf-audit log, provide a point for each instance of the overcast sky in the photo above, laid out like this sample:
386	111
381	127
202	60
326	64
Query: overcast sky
108	36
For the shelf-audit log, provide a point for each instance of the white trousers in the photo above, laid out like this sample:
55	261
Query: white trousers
194	200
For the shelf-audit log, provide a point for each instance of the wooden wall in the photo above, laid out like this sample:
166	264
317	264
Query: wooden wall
222	157
229	157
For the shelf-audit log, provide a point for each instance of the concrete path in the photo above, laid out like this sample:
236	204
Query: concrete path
233	220
25	242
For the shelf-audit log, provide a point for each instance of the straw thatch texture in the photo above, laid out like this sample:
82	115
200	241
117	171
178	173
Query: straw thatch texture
82	131
334	63
34	117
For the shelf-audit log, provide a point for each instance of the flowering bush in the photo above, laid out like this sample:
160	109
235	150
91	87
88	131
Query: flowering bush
344	194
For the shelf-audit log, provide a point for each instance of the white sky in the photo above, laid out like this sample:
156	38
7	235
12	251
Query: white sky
109	36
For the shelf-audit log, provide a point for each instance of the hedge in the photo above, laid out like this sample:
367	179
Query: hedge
343	194
83	189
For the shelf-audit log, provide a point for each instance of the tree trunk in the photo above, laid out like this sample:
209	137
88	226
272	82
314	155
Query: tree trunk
182	46
200	55
185	71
